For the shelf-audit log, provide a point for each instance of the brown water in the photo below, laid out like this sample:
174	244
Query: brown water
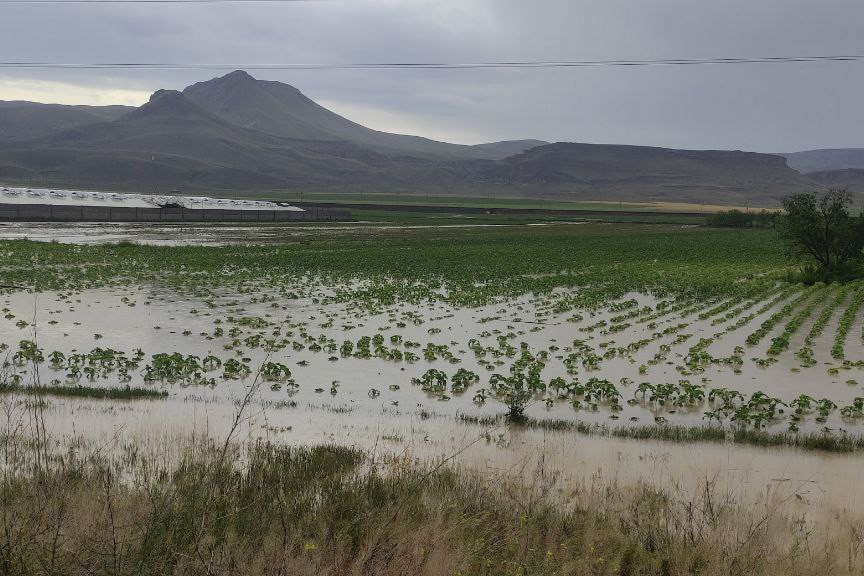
212	235
407	422
817	487
158	321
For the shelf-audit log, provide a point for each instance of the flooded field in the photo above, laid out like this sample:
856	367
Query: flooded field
152	234
633	360
608	375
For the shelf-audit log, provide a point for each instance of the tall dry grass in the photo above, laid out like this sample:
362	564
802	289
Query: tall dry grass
268	509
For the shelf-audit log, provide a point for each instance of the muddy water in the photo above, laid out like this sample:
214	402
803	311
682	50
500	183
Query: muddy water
212	235
158	321
151	233
818	487
406	422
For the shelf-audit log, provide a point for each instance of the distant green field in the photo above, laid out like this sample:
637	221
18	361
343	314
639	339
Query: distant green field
432	218
519	259
414	200
460	201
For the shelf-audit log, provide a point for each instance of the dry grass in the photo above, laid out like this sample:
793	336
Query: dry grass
265	509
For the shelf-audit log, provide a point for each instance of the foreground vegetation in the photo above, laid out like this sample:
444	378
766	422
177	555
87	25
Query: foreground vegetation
328	510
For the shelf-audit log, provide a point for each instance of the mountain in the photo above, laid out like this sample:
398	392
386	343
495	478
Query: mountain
851	179
236	133
506	148
646	173
282	110
171	142
826	159
26	120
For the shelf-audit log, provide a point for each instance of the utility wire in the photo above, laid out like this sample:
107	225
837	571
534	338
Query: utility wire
433	65
154	1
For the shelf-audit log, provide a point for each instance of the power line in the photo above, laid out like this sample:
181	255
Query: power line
154	1
430	65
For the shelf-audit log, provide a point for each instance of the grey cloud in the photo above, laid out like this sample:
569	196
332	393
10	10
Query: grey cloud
755	107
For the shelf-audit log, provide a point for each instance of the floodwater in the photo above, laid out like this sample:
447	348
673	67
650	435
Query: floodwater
159	321
820	489
207	234
62	197
371	403
149	233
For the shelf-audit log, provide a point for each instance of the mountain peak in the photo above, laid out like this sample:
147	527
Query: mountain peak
165	103
237	84
165	96
237	76
282	110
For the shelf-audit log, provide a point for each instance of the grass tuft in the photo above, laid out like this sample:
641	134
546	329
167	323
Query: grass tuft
124	393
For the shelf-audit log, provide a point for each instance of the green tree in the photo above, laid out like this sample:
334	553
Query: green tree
735	218
822	226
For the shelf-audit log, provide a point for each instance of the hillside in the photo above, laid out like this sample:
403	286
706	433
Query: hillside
282	110
236	133
826	159
507	148
851	179
171	142
27	120
594	171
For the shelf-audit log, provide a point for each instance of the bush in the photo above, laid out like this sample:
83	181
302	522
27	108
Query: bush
738	219
811	274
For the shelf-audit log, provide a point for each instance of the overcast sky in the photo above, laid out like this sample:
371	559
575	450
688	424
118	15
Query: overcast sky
782	107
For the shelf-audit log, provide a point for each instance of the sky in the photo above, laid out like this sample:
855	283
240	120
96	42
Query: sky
767	108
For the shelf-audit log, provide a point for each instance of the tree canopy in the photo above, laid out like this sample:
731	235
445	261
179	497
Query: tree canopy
822	226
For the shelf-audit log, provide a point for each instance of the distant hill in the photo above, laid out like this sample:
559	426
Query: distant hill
236	133
171	142
826	159
27	120
646	173
282	110
851	179
505	148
